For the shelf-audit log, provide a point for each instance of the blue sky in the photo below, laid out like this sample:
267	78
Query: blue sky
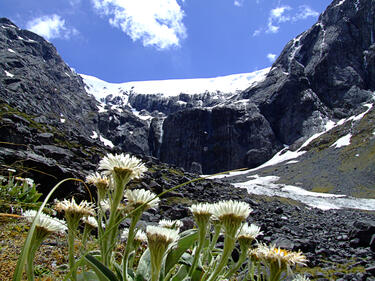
135	40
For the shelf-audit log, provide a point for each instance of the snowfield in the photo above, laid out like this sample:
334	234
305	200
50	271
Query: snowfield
173	87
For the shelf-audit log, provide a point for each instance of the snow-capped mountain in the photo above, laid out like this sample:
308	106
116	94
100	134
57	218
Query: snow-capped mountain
168	96
167	88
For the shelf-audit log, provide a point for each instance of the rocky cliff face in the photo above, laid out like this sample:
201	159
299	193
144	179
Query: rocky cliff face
46	117
325	73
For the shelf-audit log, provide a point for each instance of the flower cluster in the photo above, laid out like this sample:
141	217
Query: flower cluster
46	222
122	165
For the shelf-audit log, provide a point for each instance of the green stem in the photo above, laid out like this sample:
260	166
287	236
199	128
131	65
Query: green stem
129	244
229	242
73	269
201	240
217	228
240	261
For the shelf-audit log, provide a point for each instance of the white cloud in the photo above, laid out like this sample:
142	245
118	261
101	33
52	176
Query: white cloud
271	57
50	27
305	12
257	32
284	14
238	3
155	22
276	17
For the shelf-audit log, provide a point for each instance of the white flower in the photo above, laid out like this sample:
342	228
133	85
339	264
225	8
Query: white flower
282	257
300	277
249	232
237	209
84	208
202	209
140	236
90	221
98	180
122	163
172	224
125	234
160	234
139	197
45	221
105	205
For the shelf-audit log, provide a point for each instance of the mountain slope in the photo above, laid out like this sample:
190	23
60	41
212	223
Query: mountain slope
323	74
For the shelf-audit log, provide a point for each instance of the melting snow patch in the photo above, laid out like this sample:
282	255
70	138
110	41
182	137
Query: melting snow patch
106	142
340	3
343	141
8	74
94	135
325	201
62	120
101	108
10	50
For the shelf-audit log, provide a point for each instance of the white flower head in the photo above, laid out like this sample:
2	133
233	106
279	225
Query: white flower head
99	180
202	209
140	236
300	277
46	222
171	224
84	208
282	257
91	221
249	231
237	209
160	234
122	164
105	205
139	197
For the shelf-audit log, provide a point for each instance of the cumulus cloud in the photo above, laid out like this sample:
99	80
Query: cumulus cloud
156	23
305	12
284	14
271	57
238	3
50	27
277	16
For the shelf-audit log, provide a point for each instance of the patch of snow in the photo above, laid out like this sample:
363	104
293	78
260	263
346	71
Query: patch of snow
106	141
10	50
8	74
291	162
94	135
101	107
360	116
325	201
141	116
173	87
67	74
340	3
343	141
62	120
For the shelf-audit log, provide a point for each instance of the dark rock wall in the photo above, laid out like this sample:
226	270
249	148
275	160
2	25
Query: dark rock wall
217	139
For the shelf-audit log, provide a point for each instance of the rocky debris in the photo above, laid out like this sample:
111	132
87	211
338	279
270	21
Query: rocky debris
325	237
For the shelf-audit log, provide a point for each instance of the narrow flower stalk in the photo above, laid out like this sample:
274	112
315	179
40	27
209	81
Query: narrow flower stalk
246	235
202	213
231	214
90	224
73	214
45	225
139	200
121	168
159	240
